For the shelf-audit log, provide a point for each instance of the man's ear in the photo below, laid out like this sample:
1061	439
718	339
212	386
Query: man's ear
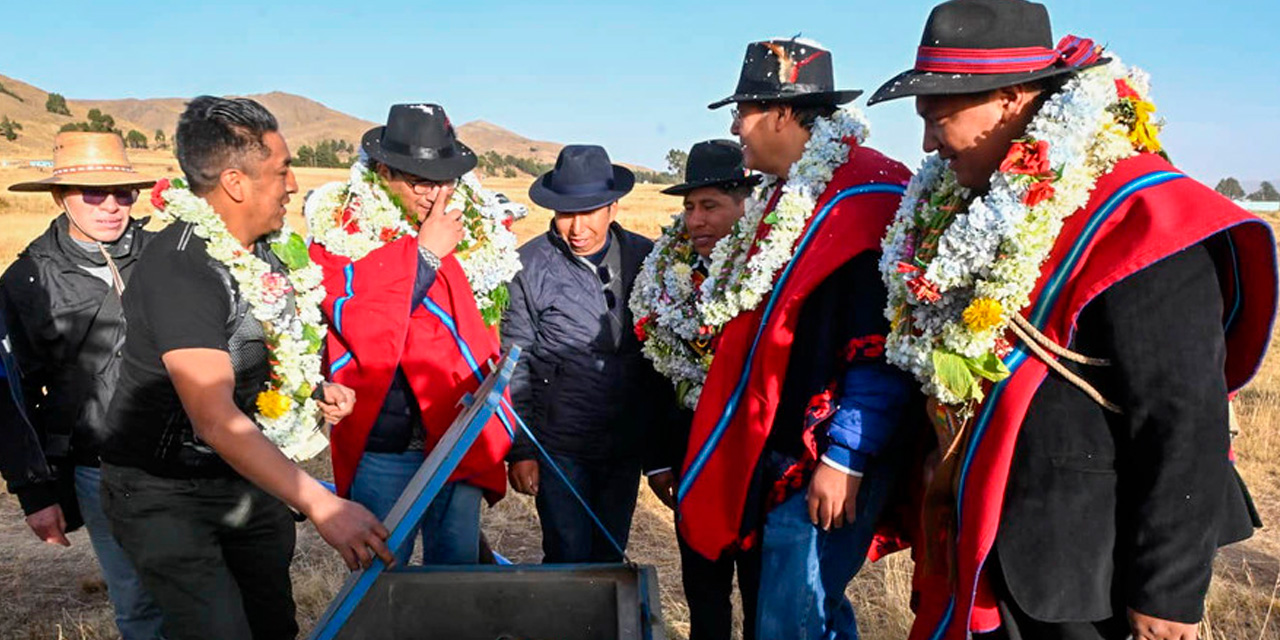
613	211
785	113
1014	100
59	197
233	183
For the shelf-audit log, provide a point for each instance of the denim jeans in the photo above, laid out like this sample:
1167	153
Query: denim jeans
804	570
137	615
451	526
214	552
568	533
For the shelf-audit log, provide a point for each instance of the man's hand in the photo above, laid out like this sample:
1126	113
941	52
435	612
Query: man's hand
1145	627
49	525
353	531
833	497
338	403
441	231
524	476
663	485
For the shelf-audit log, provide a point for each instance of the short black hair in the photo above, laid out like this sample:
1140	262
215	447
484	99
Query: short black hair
216	134
807	115
739	191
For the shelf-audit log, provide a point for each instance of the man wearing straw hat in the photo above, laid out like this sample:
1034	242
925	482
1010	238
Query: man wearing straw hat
61	302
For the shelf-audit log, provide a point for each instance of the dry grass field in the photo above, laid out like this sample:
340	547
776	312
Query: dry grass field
51	592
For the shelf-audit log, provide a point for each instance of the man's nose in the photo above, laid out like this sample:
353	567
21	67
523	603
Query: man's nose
291	182
735	127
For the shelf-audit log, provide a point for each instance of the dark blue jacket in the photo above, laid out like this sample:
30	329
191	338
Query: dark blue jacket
582	384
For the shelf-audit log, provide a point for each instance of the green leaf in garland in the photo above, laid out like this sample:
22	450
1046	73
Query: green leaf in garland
292	251
954	374
178	183
772	218
304	391
313	337
988	366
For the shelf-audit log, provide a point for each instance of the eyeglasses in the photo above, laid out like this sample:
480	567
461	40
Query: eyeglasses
95	197
740	110
422	186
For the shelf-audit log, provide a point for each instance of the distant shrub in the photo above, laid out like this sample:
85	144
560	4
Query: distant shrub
57	104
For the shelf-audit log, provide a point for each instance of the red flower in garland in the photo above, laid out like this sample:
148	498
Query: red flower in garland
642	333
1039	192
924	290
1029	158
157	193
387	234
1123	90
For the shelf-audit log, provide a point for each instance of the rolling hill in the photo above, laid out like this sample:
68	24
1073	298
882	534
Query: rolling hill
302	120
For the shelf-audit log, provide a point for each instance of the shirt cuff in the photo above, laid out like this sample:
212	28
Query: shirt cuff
844	460
37	496
656	471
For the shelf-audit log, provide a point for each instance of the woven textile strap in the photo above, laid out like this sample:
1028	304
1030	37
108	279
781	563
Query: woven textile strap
1072	51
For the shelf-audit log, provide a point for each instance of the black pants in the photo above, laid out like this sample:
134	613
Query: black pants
568	533
214	553
1017	625
708	586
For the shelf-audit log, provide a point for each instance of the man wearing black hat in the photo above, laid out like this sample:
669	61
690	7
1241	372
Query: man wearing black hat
582	385
665	299
794	438
1080	499
404	326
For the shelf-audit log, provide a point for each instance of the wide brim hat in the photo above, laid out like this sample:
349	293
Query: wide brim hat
419	140
791	70
974	46
713	163
583	180
85	159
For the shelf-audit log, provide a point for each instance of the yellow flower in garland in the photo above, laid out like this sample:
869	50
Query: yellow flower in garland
272	404
983	314
1144	130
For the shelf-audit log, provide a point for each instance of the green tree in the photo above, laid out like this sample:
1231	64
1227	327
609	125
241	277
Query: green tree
57	104
160	141
677	160
509	172
305	156
135	139
1230	187
9	129
1265	193
5	90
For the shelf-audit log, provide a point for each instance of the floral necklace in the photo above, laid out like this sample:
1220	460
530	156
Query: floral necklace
353	218
665	299
745	263
287	305
959	268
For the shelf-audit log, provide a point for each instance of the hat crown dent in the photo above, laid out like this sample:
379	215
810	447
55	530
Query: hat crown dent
706	157
580	164
988	24
419	125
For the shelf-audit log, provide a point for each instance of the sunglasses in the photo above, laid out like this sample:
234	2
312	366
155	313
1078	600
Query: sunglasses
95	197
610	299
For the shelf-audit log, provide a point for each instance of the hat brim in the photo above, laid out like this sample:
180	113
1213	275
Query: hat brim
542	195
118	179
927	83
803	99
685	188
436	169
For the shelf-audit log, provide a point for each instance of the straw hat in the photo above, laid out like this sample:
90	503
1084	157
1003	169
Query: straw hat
84	159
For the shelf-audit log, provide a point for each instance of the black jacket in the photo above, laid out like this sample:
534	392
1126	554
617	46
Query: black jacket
66	327
582	384
1107	511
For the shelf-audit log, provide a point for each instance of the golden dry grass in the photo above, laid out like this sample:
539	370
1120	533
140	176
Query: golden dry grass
52	592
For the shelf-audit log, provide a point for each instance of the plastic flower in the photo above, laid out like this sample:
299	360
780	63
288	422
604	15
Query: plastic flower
1144	132
1027	157
983	314
1039	192
157	193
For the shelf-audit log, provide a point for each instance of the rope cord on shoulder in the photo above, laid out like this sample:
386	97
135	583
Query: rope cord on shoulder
1043	354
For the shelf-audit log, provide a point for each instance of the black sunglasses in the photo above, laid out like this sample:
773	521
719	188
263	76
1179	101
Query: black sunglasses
610	299
95	197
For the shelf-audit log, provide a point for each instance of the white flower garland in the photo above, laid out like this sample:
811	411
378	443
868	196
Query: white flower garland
353	218
287	413
664	303
949	311
740	278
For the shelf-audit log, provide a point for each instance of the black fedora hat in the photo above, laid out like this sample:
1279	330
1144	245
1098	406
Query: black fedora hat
419	140
582	180
711	163
795	71
972	46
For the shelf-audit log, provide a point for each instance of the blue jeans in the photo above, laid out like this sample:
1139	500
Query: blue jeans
137	615
804	570
568	533
451	526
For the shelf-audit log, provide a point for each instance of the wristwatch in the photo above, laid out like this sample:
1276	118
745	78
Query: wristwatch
430	258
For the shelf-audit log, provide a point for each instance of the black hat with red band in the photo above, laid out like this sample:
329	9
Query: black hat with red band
972	46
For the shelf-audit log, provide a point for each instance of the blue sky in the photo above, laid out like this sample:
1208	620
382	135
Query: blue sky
634	76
